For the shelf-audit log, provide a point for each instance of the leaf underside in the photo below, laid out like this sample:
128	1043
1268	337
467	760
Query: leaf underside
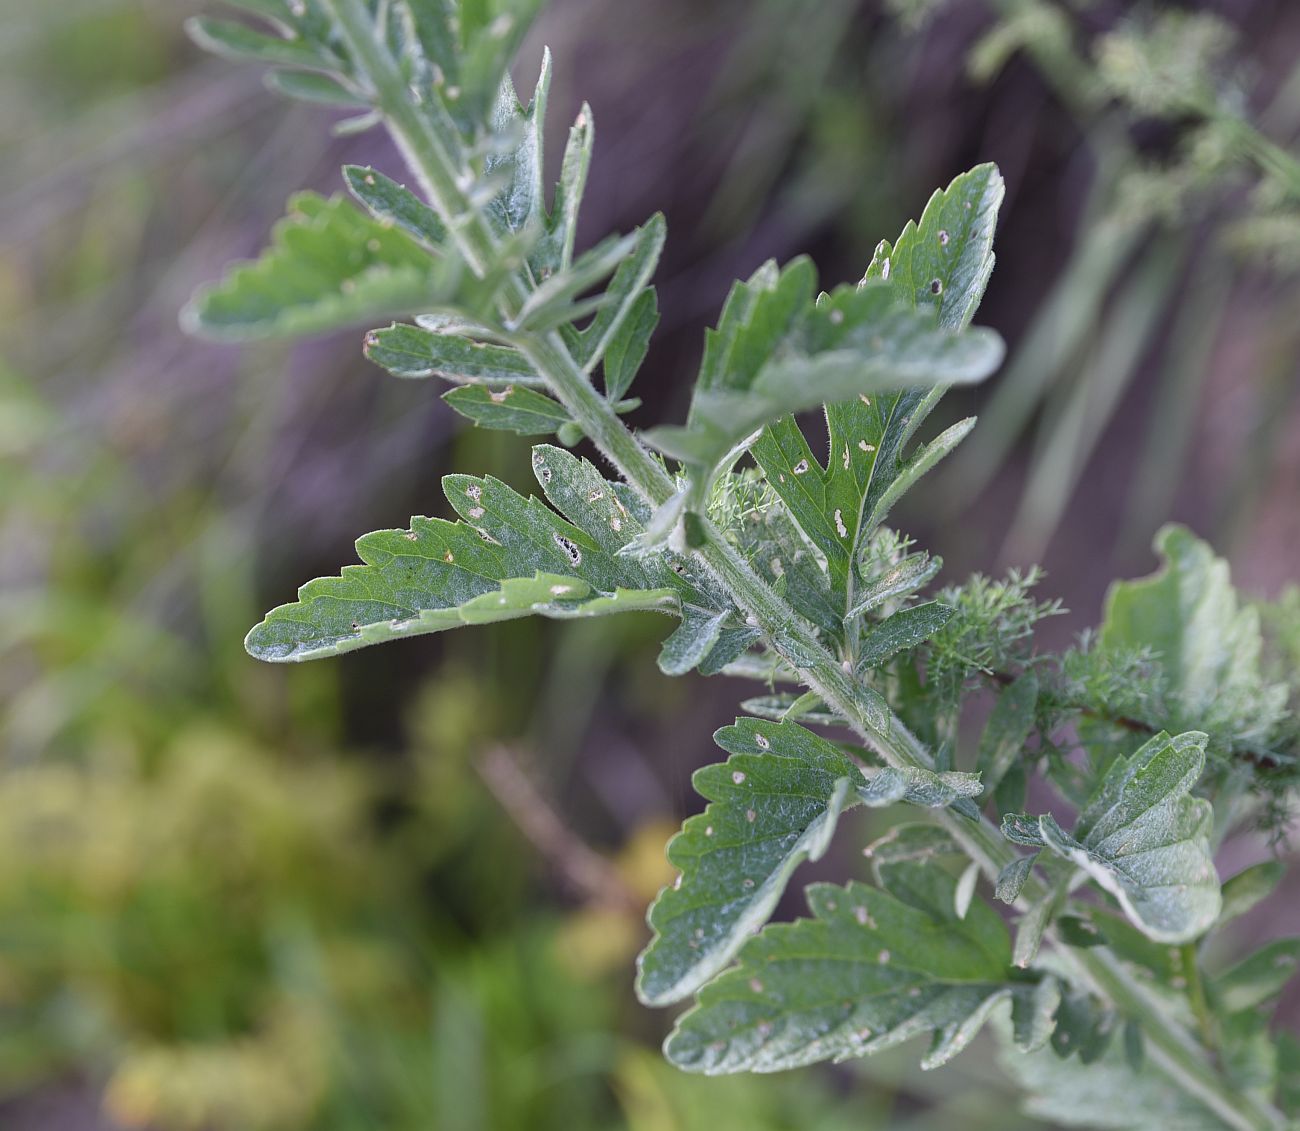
1144	839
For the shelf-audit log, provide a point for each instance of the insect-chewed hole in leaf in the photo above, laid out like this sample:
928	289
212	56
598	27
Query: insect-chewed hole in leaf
936	286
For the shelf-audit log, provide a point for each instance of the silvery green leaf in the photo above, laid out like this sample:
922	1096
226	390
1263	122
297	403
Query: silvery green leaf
1258	978
840	502
904	579
318	89
946	259
556	300
413	351
777	707
391	203
1249	887
1008	728
1144	838
629	344
625	300
573	182
1022	828
238	41
522	202
328	266
510	556
903	630
514	408
1108	1093
1208	643
774	804
1033	1015
872	969
691	641
1012	878
1030	929
1084	1026
778	352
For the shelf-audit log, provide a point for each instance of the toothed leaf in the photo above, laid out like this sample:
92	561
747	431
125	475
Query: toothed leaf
328	266
775	803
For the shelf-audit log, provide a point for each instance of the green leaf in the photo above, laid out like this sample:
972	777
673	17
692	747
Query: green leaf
555	301
512	409
1031	928
1258	979
1106	1093
391	203
1250	887
776	351
777	707
1207	642
903	630
318	89
328	266
573	183
412	351
775	803
906	578
874	968
1012	878
511	556
1144	838
629	344
242	43
1084	1025
1007	730
952	247
841	504
626	301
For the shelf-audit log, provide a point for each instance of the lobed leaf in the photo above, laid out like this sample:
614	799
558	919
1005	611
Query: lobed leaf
872	969
1144	838
328	266
946	259
775	803
1108	1092
1208	644
510	556
777	352
841	503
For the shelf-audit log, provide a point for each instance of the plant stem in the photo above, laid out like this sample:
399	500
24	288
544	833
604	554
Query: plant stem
789	635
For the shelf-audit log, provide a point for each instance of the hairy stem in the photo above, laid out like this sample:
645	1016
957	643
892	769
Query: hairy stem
790	636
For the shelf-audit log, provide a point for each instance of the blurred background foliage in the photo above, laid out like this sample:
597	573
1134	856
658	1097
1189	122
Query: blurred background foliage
403	890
